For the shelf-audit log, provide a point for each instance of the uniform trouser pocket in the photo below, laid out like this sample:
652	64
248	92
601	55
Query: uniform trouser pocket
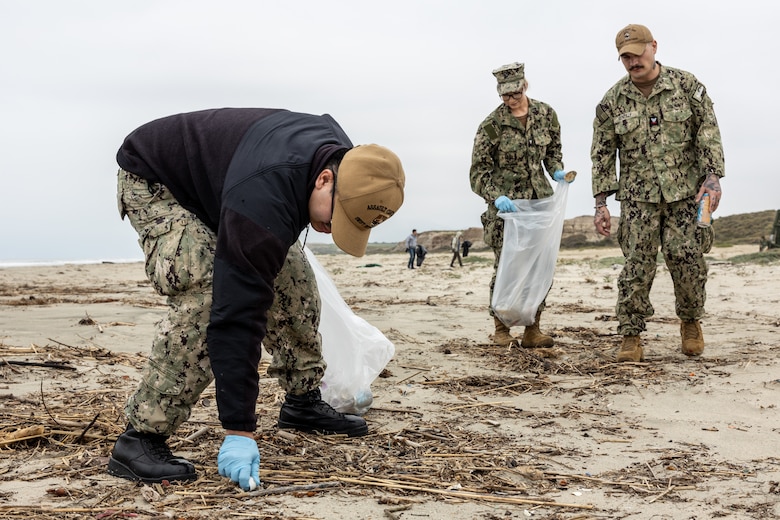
178	247
706	237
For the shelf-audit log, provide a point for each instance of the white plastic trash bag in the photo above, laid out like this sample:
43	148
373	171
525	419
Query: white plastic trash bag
355	351
532	238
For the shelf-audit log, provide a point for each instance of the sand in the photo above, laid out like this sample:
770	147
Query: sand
459	429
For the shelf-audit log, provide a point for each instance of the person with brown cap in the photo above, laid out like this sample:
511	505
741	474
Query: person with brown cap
219	198
661	124
514	146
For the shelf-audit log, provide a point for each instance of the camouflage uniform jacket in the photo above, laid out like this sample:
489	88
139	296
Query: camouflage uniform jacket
507	159
666	143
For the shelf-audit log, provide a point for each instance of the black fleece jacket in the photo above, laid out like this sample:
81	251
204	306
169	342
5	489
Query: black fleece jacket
248	174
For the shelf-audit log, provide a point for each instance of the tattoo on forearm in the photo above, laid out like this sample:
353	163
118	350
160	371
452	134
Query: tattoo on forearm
712	182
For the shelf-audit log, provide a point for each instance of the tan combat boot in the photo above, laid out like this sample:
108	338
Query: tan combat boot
533	337
692	338
631	350
502	337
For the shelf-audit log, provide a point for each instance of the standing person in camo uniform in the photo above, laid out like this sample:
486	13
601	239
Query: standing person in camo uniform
513	147
219	198
660	122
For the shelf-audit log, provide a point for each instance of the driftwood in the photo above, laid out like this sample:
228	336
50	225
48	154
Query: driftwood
61	365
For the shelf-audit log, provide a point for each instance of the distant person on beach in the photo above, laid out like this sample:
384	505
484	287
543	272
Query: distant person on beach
420	253
411	248
661	124
219	198
466	246
455	248
513	147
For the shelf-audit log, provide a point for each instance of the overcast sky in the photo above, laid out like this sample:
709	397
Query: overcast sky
412	75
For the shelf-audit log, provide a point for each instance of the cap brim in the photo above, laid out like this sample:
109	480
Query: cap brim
632	48
347	236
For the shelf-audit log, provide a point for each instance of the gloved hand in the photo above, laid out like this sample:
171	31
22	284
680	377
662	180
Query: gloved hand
504	204
560	175
239	459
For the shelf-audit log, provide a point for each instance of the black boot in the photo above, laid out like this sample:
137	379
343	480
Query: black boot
146	457
309	413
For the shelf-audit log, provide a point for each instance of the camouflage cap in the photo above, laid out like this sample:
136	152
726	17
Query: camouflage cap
632	39
511	78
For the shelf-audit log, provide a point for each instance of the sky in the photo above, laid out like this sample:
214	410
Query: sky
413	75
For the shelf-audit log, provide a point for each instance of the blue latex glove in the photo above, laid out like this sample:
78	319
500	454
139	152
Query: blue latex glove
239	459
504	204
559	175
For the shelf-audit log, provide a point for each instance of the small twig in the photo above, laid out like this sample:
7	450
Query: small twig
43	402
61	343
83	433
396	410
293	489
390	512
197	435
45	364
287	436
409	377
464	494
505	387
651	471
667	491
413	367
478	405
10	366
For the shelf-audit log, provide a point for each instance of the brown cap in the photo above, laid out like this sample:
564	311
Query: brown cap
632	39
511	78
369	190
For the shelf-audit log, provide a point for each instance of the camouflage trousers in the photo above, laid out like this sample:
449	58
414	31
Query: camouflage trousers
643	228
493	232
179	252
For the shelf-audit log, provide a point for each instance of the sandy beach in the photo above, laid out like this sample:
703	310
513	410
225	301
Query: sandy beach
459	429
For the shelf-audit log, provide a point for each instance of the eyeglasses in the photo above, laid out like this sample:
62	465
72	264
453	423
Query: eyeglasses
514	95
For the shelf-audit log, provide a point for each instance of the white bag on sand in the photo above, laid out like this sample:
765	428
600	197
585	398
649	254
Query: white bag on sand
532	238
355	351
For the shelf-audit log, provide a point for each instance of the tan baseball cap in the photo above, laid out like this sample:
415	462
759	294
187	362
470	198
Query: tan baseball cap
511	78
632	39
369	190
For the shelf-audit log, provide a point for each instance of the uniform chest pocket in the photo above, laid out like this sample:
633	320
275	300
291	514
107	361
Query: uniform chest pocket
627	128
542	139
677	125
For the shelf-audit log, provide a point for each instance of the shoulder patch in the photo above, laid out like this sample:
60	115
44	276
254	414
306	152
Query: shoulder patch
491	129
698	92
602	113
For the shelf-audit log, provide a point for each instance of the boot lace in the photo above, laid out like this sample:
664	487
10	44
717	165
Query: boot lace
327	409
158	448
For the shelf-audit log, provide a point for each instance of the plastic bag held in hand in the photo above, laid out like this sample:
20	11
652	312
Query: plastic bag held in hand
504	204
560	175
239	460
532	238
355	351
